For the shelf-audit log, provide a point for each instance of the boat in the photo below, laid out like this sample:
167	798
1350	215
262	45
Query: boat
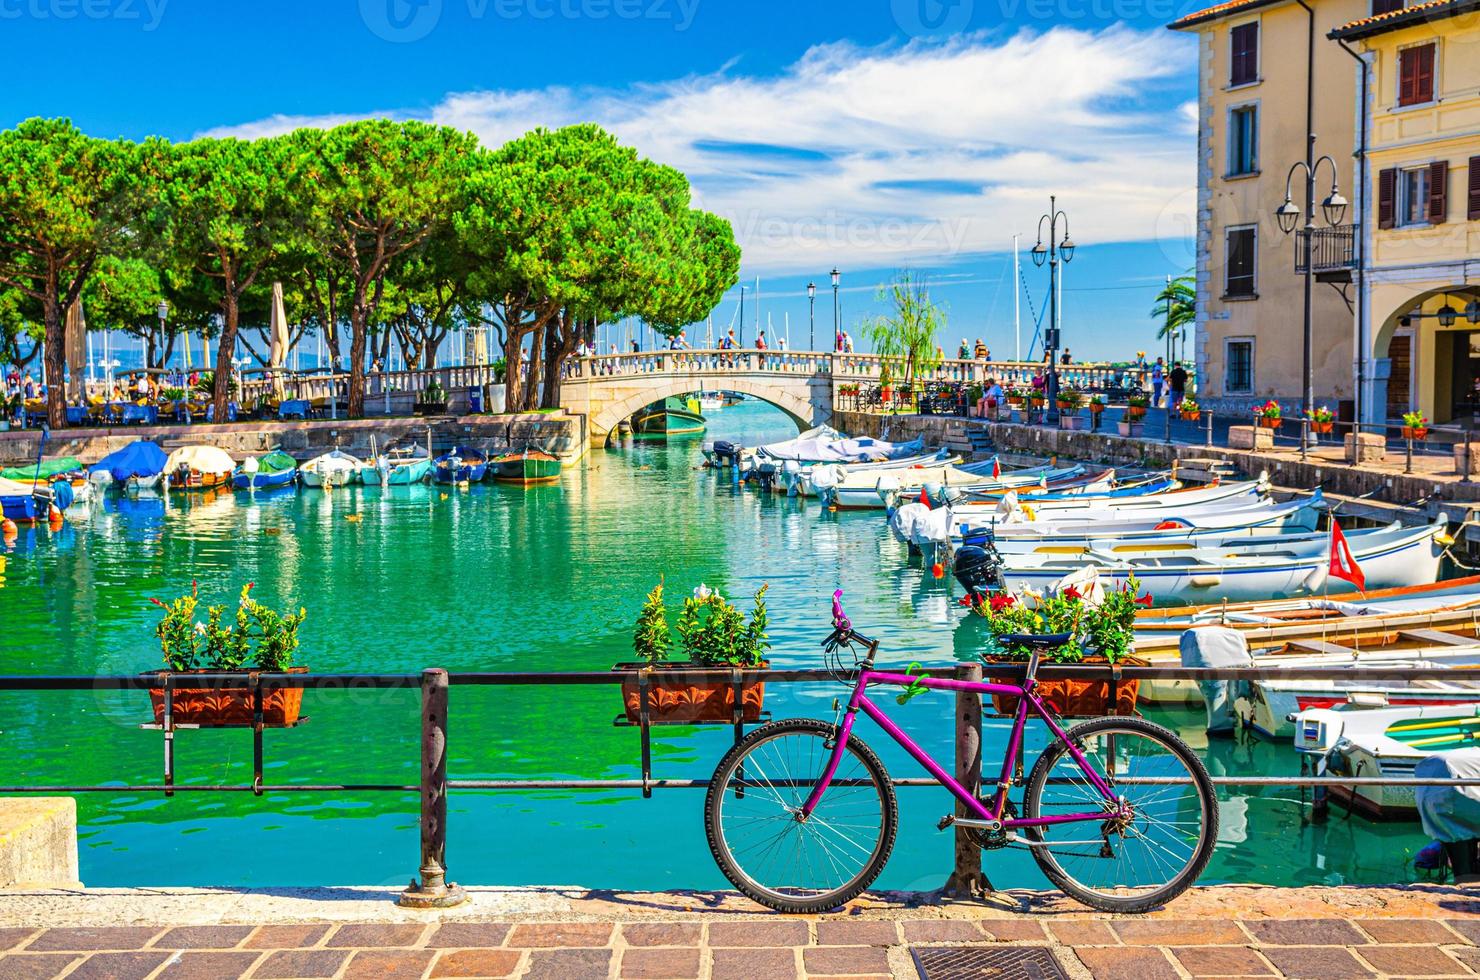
1277	701
275	469
804	480
1257	569
526	466
22	503
1100	486
1386	742
45	471
672	416
333	469
824	444
137	466
397	467
1171	501
888	489
711	401
463	464
1181	532
197	468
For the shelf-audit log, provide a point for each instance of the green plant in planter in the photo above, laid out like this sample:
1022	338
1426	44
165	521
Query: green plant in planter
174	394
500	370
651	639
217	645
1069	397
434	394
974	393
1106	628
1138	400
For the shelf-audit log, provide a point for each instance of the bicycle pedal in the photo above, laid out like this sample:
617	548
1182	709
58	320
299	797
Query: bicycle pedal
946	821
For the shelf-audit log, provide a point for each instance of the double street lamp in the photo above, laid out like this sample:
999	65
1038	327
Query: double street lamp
837	311
1051	253
1287	215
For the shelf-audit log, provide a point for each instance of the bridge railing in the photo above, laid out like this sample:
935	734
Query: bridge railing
738	361
314	387
868	367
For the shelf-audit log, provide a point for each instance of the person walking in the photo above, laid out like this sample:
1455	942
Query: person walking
963	353
1178	382
1157	380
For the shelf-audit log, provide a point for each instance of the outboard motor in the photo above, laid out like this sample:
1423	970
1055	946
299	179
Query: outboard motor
1218	646
887	488
725	452
791	471
935	495
977	569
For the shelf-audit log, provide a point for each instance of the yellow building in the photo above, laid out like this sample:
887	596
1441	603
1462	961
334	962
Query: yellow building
1255	61
1420	246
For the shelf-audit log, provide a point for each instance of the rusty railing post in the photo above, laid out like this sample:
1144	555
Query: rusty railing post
434	891
966	878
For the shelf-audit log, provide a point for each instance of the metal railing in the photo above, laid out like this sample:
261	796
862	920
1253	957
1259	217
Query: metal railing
435	783
1331	249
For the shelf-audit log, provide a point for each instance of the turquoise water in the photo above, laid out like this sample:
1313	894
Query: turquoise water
499	578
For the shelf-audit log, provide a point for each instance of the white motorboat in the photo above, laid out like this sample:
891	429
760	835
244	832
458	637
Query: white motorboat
1172	502
882	490
333	469
803	480
1389	557
1352	741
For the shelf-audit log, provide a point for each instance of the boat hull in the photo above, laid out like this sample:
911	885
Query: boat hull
399	473
670	417
526	468
263	481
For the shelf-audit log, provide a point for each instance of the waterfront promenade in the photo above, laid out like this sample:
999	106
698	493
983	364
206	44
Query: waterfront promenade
573	934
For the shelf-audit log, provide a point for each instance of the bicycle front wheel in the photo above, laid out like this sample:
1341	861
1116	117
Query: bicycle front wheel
785	863
1150	853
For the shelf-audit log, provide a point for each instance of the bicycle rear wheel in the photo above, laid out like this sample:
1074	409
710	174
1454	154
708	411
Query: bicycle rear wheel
791	865
1132	864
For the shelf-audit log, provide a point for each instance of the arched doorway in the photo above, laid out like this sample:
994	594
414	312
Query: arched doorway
1427	352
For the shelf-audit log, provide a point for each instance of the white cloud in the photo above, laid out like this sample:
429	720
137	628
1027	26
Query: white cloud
969	138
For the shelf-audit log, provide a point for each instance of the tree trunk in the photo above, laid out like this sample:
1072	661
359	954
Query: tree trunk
358	316
514	389
55	359
225	347
536	364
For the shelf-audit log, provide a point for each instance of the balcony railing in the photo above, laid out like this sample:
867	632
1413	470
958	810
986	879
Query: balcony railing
1332	250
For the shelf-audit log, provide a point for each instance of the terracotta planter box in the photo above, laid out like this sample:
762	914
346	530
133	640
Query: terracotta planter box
227	707
1191	416
1074	696
1322	428
1417	433
676	699
1268	423
1133	414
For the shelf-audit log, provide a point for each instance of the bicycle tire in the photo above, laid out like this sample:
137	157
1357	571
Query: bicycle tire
1207	796
771	897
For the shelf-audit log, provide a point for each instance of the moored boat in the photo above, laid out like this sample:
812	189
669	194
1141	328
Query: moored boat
463	464
197	468
137	466
526	466
397	467
333	469
676	415
268	472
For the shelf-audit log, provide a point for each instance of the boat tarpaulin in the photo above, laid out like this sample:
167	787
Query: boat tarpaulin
1449	813
202	459
826	445
48	468
141	459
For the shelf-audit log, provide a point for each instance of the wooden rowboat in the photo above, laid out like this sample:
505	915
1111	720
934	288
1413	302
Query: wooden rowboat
527	466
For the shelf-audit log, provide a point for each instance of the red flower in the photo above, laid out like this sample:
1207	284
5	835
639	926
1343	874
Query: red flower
1145	600
966	600
1001	601
1072	593
158	603
938	570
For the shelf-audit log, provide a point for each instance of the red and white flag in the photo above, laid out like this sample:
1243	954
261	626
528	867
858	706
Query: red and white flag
996	469
1343	562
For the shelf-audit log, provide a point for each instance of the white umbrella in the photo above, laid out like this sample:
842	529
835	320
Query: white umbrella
75	347
278	353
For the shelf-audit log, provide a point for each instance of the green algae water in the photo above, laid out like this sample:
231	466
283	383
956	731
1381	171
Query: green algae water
497	578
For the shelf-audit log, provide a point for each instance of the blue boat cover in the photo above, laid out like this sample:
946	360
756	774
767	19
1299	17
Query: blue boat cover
140	458
62	494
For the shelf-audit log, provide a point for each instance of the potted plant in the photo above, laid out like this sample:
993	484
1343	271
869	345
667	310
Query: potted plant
1322	421
1136	405
1037	398
1189	409
433	400
1069	399
1268	415
1415	426
886	384
256	635
1101	628
1015	397
1096	404
714	634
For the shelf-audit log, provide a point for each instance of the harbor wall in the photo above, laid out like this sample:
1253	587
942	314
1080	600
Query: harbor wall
1417	497
38	842
563	435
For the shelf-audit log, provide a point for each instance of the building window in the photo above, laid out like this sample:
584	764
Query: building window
1239	357
1243	140
1385	6
1413	196
1239	271
1416	74
1243	68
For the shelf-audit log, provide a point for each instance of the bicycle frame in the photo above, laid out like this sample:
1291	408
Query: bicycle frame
1027	700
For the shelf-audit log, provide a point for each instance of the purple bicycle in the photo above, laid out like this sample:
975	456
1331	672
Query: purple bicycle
1118	812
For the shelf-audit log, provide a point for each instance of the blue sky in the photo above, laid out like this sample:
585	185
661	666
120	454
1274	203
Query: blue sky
868	136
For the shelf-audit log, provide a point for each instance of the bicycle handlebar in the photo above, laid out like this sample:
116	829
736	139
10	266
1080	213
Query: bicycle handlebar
843	631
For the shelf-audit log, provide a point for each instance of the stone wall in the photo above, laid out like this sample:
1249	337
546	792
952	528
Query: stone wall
38	842
563	435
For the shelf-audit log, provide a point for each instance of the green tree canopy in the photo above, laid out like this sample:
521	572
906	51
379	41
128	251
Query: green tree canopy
909	333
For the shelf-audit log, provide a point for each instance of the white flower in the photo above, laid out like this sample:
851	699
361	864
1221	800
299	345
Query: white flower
704	592
200	629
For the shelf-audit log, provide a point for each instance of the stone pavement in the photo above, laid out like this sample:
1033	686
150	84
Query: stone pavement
1221	931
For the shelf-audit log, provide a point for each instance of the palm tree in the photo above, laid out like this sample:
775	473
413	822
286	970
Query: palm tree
1176	306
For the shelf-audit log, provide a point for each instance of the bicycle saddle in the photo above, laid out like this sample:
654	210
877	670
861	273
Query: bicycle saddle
1035	641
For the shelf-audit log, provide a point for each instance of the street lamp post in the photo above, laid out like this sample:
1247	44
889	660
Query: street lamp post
1055	249
164	311
1287	215
811	316
837	310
